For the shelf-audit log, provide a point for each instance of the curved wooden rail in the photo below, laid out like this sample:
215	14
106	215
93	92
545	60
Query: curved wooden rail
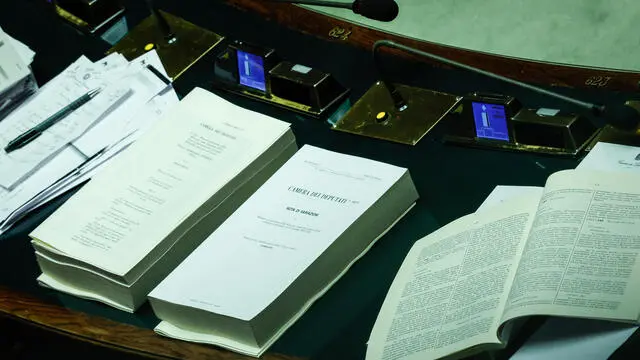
107	333
330	28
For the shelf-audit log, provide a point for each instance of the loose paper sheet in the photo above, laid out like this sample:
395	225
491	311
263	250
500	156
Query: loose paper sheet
612	157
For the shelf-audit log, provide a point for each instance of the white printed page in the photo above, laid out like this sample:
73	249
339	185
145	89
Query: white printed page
118	66
111	64
71	84
277	233
145	117
150	97
450	291
581	258
134	203
503	193
612	157
145	85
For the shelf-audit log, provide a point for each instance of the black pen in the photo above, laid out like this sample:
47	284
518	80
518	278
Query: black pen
29	135
84	163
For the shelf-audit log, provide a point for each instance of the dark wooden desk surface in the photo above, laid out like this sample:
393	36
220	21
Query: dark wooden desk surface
24	307
452	182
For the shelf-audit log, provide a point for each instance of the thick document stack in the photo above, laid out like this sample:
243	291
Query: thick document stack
122	233
281	250
571	249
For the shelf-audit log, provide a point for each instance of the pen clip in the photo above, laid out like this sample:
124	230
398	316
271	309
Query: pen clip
94	92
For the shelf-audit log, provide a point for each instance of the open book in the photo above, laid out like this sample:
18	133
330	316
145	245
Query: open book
573	252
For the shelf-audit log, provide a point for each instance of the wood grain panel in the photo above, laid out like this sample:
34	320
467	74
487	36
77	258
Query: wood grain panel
108	333
311	22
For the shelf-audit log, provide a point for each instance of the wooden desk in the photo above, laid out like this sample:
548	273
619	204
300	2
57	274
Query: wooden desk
22	307
452	182
545	73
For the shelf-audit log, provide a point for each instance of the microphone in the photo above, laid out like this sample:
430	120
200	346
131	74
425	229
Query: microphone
162	23
380	10
620	116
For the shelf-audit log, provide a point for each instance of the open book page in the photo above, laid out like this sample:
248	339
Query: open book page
451	289
503	193
134	203
581	258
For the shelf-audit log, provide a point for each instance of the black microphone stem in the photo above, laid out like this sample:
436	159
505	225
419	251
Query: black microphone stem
334	4
595	109
162	22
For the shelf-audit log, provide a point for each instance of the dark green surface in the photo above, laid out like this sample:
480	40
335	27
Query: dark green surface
452	181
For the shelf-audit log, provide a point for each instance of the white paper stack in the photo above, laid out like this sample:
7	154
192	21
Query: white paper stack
124	231
132	99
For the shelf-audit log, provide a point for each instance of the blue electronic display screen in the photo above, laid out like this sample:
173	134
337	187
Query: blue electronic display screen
491	121
251	70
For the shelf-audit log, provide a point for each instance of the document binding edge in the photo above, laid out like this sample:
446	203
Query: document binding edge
51	283
167	329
